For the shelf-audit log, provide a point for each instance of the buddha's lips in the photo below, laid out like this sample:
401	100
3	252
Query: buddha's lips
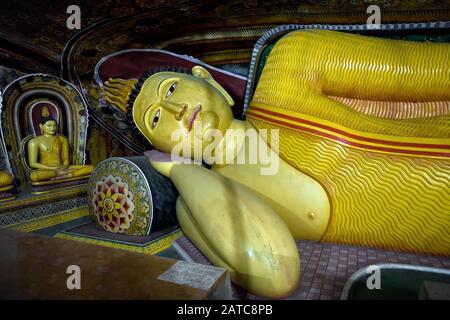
193	116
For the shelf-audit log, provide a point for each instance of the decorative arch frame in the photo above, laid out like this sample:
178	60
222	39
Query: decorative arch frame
18	116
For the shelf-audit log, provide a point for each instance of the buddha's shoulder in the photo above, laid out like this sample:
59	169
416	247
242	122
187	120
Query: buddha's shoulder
35	140
39	139
62	138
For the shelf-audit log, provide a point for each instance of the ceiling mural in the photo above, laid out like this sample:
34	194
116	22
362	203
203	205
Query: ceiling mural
32	39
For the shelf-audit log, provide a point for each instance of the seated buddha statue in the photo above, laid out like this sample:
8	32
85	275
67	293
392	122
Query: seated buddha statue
48	154
364	147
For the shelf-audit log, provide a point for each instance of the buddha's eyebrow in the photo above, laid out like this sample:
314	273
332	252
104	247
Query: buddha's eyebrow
163	81
150	111
153	105
159	85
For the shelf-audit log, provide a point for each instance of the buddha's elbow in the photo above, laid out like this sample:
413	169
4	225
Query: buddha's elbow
33	165
274	282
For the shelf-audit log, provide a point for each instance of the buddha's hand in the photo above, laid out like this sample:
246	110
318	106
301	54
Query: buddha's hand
60	170
163	162
116	92
160	161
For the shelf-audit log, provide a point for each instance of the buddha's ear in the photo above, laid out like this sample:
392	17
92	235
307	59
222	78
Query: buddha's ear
41	127
200	72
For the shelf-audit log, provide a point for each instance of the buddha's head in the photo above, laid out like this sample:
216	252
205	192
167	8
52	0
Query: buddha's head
172	101
48	126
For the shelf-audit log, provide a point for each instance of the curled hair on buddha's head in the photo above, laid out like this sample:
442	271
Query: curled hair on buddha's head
48	118
135	92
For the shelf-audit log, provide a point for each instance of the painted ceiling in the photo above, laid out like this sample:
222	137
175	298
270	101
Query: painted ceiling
33	34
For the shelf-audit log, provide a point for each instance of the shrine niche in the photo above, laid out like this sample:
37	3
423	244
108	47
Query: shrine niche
44	124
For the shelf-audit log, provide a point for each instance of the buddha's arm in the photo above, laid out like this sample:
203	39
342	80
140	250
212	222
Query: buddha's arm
64	150
236	230
33	157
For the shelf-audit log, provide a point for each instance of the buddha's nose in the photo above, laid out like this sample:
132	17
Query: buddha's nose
175	108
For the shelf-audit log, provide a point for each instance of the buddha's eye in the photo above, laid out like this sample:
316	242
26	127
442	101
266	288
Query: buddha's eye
156	118
171	90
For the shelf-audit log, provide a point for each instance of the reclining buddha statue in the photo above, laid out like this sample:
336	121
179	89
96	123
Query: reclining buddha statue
48	154
364	148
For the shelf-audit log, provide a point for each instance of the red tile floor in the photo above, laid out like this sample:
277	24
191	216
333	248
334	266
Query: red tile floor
326	267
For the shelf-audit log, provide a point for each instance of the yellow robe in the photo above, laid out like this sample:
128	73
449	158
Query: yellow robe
369	119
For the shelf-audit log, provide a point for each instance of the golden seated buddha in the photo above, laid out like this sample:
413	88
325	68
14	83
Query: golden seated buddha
48	155
344	175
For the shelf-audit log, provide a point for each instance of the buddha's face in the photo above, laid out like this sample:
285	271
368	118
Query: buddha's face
49	127
170	101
